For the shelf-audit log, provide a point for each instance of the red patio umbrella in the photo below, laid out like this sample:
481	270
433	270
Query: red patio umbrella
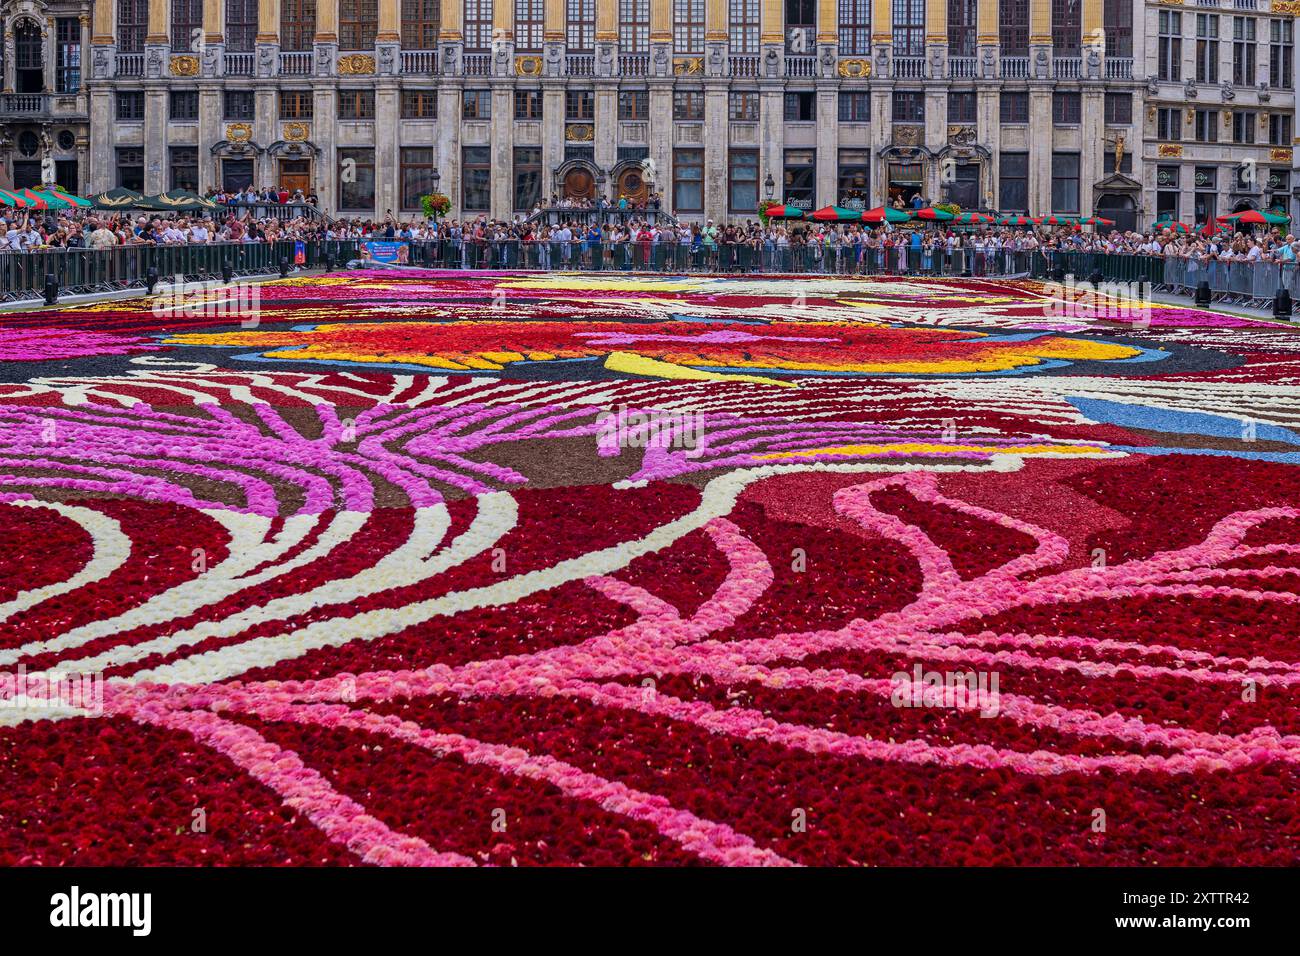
1015	221
1056	221
16	200
1096	221
837	214
34	200
777	211
885	214
932	214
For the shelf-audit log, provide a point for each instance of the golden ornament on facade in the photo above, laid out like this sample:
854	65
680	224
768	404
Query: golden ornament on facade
185	65
528	65
579	133
688	66
855	69
1170	151
1287	6
356	64
296	132
239	132
1280	154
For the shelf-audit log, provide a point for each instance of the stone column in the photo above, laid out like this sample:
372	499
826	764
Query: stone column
936	37
448	141
661	38
882	38
716	152
771	38
268	38
450	46
325	107
987	35
607	38
155	141
715	43
211	116
1040	152
157	46
327	36
1092	148
661	136
828	142
388	41
606	144
503	44
552	135
50	55
1094	41
84	23
1040	39
211	52
771	140
503	148
102	172
388	187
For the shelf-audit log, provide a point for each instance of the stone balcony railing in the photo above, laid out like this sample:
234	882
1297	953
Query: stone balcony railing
746	66
909	68
1015	67
1067	67
477	64
296	63
419	62
238	64
579	64
1119	68
24	104
801	67
633	64
130	64
962	67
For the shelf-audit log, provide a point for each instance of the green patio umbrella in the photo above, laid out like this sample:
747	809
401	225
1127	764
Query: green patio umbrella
1056	220
119	198
179	200
777	211
13	200
78	201
930	214
837	214
1256	218
975	219
886	214
1015	221
45	200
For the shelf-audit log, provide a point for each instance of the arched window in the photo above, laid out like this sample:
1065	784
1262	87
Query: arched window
961	27
1067	27
634	26
420	24
132	24
855	27
478	25
530	18
297	24
187	25
358	21
688	26
909	27
241	25
580	27
1013	27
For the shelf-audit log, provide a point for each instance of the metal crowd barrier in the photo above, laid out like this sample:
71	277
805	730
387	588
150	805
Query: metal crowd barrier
22	274
1237	282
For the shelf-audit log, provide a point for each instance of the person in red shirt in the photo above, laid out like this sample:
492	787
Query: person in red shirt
284	195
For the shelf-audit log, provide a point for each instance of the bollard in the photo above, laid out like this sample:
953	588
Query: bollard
150	279
329	262
227	271
1282	305
1058	274
284	266
1203	293
51	289
1096	278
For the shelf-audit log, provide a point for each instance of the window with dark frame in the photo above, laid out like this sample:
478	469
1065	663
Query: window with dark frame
634	105
476	178
962	22
742	106
909	27
1013	28
1067	109
356	104
1067	27
855	106
130	104
420	19
1013	182
688	104
358	23
68	64
417	167
580	26
528	177
1118	109
530	17
132	25
130	167
187	25
580	105
295	104
634	26
241	26
184	167
476	104
1013	106
297	25
909	106
962	106
855	27
528	104
356	180
419	104
688	180
239	104
742	181
800	106
183	105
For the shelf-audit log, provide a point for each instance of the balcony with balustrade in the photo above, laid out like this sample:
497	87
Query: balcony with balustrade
800	67
419	62
633	64
908	68
130	64
579	64
29	105
1119	68
744	66
962	67
238	64
477	64
1067	67
296	63
1014	67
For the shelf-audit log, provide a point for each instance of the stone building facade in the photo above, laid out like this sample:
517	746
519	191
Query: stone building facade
1031	106
44	105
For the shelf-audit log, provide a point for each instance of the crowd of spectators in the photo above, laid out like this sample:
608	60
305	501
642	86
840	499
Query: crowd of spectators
22	230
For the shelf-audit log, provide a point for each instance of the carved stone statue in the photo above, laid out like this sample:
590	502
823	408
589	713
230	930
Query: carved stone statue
1229	93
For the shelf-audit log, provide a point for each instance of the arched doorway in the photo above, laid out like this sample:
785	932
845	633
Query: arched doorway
1119	207
631	185
579	183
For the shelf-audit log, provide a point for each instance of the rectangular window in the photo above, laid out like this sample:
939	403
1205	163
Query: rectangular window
634	26
962	27
528	177
1281	53
688	105
742	27
1119	109
1014	107
1279	129
1244	47
132	25
909	27
1207	126
1243	127
476	178
478	25
855	107
295	104
239	104
184	167
742	181
476	104
297	25
580	105
417	175
1065	182
1117	22
358	22
742	106
688	180
1067	27
801	107
130	105
419	104
1013	182
130	168
1207	48
1169	52
68	64
183	105
357	180
187	25
909	106
855	27
530	17
800	180
528	104
634	105
688	27
356	104
241	26
961	107
1013	27
419	24
580	26
854	178
801	27
1067	109
1169	124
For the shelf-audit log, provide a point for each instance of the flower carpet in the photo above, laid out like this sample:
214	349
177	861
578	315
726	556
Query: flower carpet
419	568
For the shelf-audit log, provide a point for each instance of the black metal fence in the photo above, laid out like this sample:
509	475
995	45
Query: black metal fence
23	275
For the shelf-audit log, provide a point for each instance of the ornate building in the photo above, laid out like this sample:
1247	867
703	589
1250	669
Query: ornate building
44	119
1020	105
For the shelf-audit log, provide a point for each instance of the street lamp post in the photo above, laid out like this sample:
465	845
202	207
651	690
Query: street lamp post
769	186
